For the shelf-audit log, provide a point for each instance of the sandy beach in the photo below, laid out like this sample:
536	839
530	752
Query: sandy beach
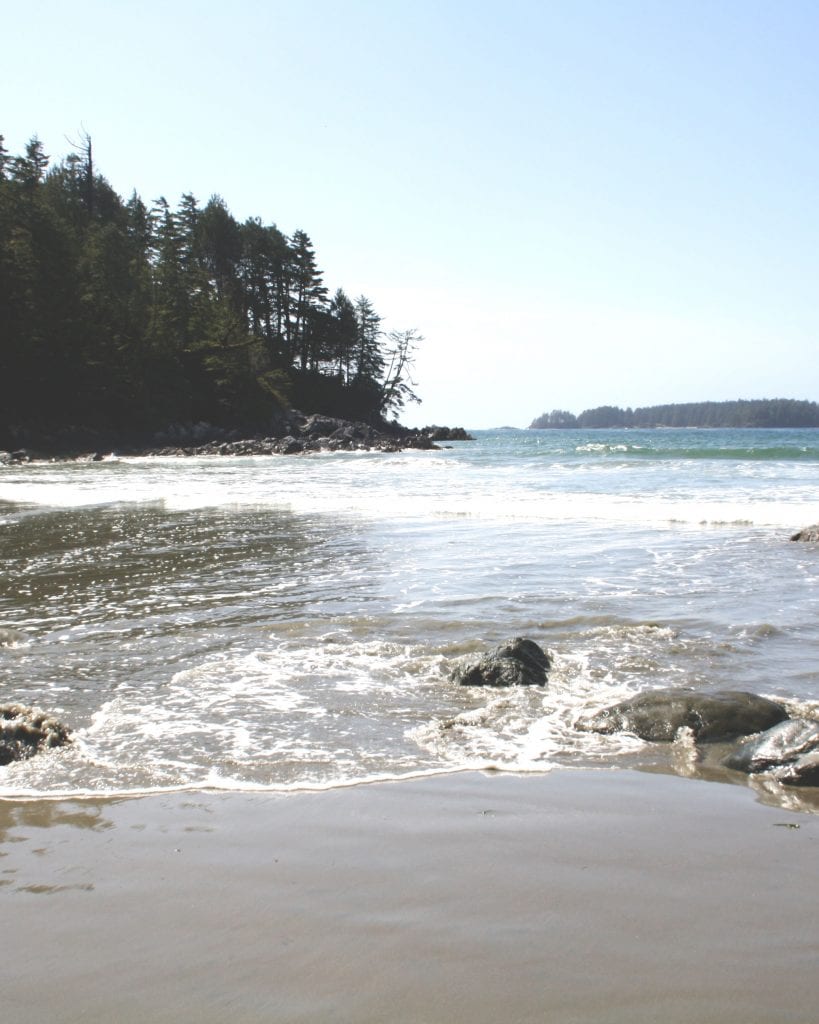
571	897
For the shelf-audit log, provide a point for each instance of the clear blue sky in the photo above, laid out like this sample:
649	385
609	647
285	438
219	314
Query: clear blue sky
576	203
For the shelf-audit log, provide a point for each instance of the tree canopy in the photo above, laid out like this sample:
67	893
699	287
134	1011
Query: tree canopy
763	412
125	316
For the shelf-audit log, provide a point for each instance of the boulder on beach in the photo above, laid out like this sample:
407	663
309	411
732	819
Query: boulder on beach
517	662
789	750
658	715
809	534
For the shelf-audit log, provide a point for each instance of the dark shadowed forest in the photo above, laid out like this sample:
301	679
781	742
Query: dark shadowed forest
123	316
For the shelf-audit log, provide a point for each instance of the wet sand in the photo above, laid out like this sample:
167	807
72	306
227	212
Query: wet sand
606	897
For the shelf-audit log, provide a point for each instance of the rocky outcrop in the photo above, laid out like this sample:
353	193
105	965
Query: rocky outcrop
658	715
447	434
295	434
16	457
809	533
25	731
789	751
517	662
290	433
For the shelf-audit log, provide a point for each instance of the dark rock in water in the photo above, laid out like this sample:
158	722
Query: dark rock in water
24	731
9	636
659	714
810	534
518	662
790	750
435	433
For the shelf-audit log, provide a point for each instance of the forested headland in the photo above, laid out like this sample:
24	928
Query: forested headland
121	317
743	413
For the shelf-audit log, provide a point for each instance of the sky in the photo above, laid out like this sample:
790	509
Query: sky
575	203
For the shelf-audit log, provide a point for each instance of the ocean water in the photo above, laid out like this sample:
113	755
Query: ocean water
290	622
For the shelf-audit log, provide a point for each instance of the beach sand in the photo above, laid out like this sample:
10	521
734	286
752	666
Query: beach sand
575	896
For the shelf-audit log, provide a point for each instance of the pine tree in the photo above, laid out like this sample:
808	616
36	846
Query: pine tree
345	334
369	359
306	293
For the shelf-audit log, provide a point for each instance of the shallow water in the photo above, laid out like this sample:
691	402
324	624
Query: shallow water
289	622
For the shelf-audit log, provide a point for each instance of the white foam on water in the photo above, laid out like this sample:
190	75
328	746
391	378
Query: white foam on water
312	650
424	485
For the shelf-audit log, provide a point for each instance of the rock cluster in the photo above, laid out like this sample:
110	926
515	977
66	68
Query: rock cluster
16	457
293	433
305	434
785	748
24	731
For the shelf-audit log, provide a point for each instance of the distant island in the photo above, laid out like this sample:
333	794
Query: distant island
122	319
740	414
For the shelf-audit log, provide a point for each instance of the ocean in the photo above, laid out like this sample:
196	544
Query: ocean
290	622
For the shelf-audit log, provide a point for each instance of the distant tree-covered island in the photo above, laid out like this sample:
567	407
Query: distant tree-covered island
122	317
739	414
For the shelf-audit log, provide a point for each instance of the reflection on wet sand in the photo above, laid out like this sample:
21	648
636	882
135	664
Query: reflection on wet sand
30	833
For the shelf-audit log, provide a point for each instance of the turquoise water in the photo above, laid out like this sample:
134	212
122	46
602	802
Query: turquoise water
289	622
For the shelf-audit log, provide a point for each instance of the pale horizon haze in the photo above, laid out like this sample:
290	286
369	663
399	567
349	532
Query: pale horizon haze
575	203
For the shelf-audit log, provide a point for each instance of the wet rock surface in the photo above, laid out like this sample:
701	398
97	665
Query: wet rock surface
790	751
517	662
25	731
658	715
810	534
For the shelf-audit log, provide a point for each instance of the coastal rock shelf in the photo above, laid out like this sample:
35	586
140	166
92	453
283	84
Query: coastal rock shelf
294	434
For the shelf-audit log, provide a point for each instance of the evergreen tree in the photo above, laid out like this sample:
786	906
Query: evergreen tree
345	334
306	293
369	358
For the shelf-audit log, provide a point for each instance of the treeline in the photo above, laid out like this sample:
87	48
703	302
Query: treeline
764	412
124	317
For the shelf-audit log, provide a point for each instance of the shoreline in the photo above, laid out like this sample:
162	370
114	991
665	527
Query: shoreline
296	433
574	896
